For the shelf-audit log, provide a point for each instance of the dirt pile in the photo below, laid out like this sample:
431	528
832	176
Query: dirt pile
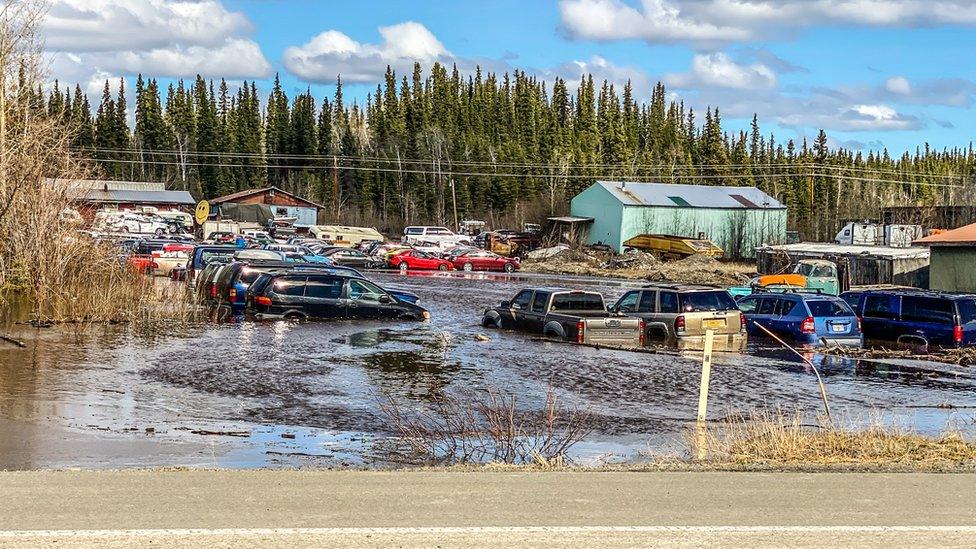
696	269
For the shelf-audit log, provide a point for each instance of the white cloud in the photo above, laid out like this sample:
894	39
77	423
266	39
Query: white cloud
602	69
332	53
87	39
711	22
718	71
898	85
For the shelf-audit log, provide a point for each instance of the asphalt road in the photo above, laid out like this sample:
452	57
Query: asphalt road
323	508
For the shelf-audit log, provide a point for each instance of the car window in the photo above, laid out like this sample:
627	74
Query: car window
523	299
878	306
927	309
647	302
364	291
669	302
825	308
628	303
290	286
768	306
718	300
415	230
748	305
967	311
852	298
324	287
578	302
250	274
786	307
539	302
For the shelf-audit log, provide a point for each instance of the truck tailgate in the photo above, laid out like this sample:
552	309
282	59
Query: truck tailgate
616	331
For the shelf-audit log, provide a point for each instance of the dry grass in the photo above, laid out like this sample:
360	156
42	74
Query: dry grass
479	427
46	266
777	438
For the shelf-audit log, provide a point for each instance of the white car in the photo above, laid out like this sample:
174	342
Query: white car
137	223
441	237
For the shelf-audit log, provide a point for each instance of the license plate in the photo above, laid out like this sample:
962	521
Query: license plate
713	323
613	323
838	327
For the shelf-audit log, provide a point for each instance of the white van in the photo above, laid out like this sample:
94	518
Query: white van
436	236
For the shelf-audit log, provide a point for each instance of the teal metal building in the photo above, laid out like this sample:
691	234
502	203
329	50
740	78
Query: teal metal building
738	219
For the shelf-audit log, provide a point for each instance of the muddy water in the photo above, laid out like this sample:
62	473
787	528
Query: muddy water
244	394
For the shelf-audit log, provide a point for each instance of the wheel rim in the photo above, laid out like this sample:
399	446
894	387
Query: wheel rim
509	267
403	267
442	267
468	267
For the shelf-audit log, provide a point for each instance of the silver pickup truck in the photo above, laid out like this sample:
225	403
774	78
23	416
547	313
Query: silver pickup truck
566	314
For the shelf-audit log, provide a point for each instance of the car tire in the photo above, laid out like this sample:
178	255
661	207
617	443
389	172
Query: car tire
509	268
467	267
403	267
294	316
442	267
160	232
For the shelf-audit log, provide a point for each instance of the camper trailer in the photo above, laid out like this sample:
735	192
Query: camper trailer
345	236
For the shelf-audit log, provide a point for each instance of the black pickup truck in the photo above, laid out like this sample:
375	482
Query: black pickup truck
567	314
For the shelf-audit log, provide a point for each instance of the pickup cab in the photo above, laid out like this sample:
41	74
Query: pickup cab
566	314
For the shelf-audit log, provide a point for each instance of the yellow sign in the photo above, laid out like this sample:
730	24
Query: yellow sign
202	212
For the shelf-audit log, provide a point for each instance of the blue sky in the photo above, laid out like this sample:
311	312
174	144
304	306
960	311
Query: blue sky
873	73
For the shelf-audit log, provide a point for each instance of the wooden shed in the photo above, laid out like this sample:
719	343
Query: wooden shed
283	203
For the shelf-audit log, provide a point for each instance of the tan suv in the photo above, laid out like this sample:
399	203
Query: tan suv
677	315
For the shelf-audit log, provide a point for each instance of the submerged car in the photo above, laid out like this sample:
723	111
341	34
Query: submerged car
311	294
678	315
916	318
809	318
232	282
202	255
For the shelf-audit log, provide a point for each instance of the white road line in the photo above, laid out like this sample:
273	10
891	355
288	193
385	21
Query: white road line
420	530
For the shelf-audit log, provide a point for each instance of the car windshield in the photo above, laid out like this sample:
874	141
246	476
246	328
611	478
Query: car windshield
221	256
578	302
707	301
826	308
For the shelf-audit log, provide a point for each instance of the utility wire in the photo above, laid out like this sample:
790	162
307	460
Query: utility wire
450	173
528	165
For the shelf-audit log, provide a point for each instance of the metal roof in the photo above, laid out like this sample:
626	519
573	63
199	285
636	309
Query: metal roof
138	197
251	192
690	196
963	236
823	249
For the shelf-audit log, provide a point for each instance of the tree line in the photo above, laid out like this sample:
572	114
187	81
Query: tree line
429	147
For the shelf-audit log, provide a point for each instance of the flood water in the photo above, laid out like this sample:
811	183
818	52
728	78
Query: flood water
246	394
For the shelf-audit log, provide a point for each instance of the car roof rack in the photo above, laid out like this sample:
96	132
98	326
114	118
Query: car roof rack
790	290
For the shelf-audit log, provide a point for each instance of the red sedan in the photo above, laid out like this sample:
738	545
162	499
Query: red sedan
483	260
417	260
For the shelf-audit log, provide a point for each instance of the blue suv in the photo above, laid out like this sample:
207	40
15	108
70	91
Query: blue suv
806	318
917	318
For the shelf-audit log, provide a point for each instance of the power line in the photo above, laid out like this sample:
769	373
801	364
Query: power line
449	173
521	165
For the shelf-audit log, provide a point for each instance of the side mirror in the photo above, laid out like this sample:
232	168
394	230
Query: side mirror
385	299
516	307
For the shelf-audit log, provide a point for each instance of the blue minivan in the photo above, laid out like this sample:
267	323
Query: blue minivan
917	318
806	318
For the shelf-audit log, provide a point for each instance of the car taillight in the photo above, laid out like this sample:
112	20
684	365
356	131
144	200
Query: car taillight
957	334
808	326
858	324
263	300
232	293
580	331
742	321
641	338
213	291
679	324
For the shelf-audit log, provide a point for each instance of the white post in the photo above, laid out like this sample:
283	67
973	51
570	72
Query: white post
706	373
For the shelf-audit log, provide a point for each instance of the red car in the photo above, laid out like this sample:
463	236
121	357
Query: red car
483	260
418	260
